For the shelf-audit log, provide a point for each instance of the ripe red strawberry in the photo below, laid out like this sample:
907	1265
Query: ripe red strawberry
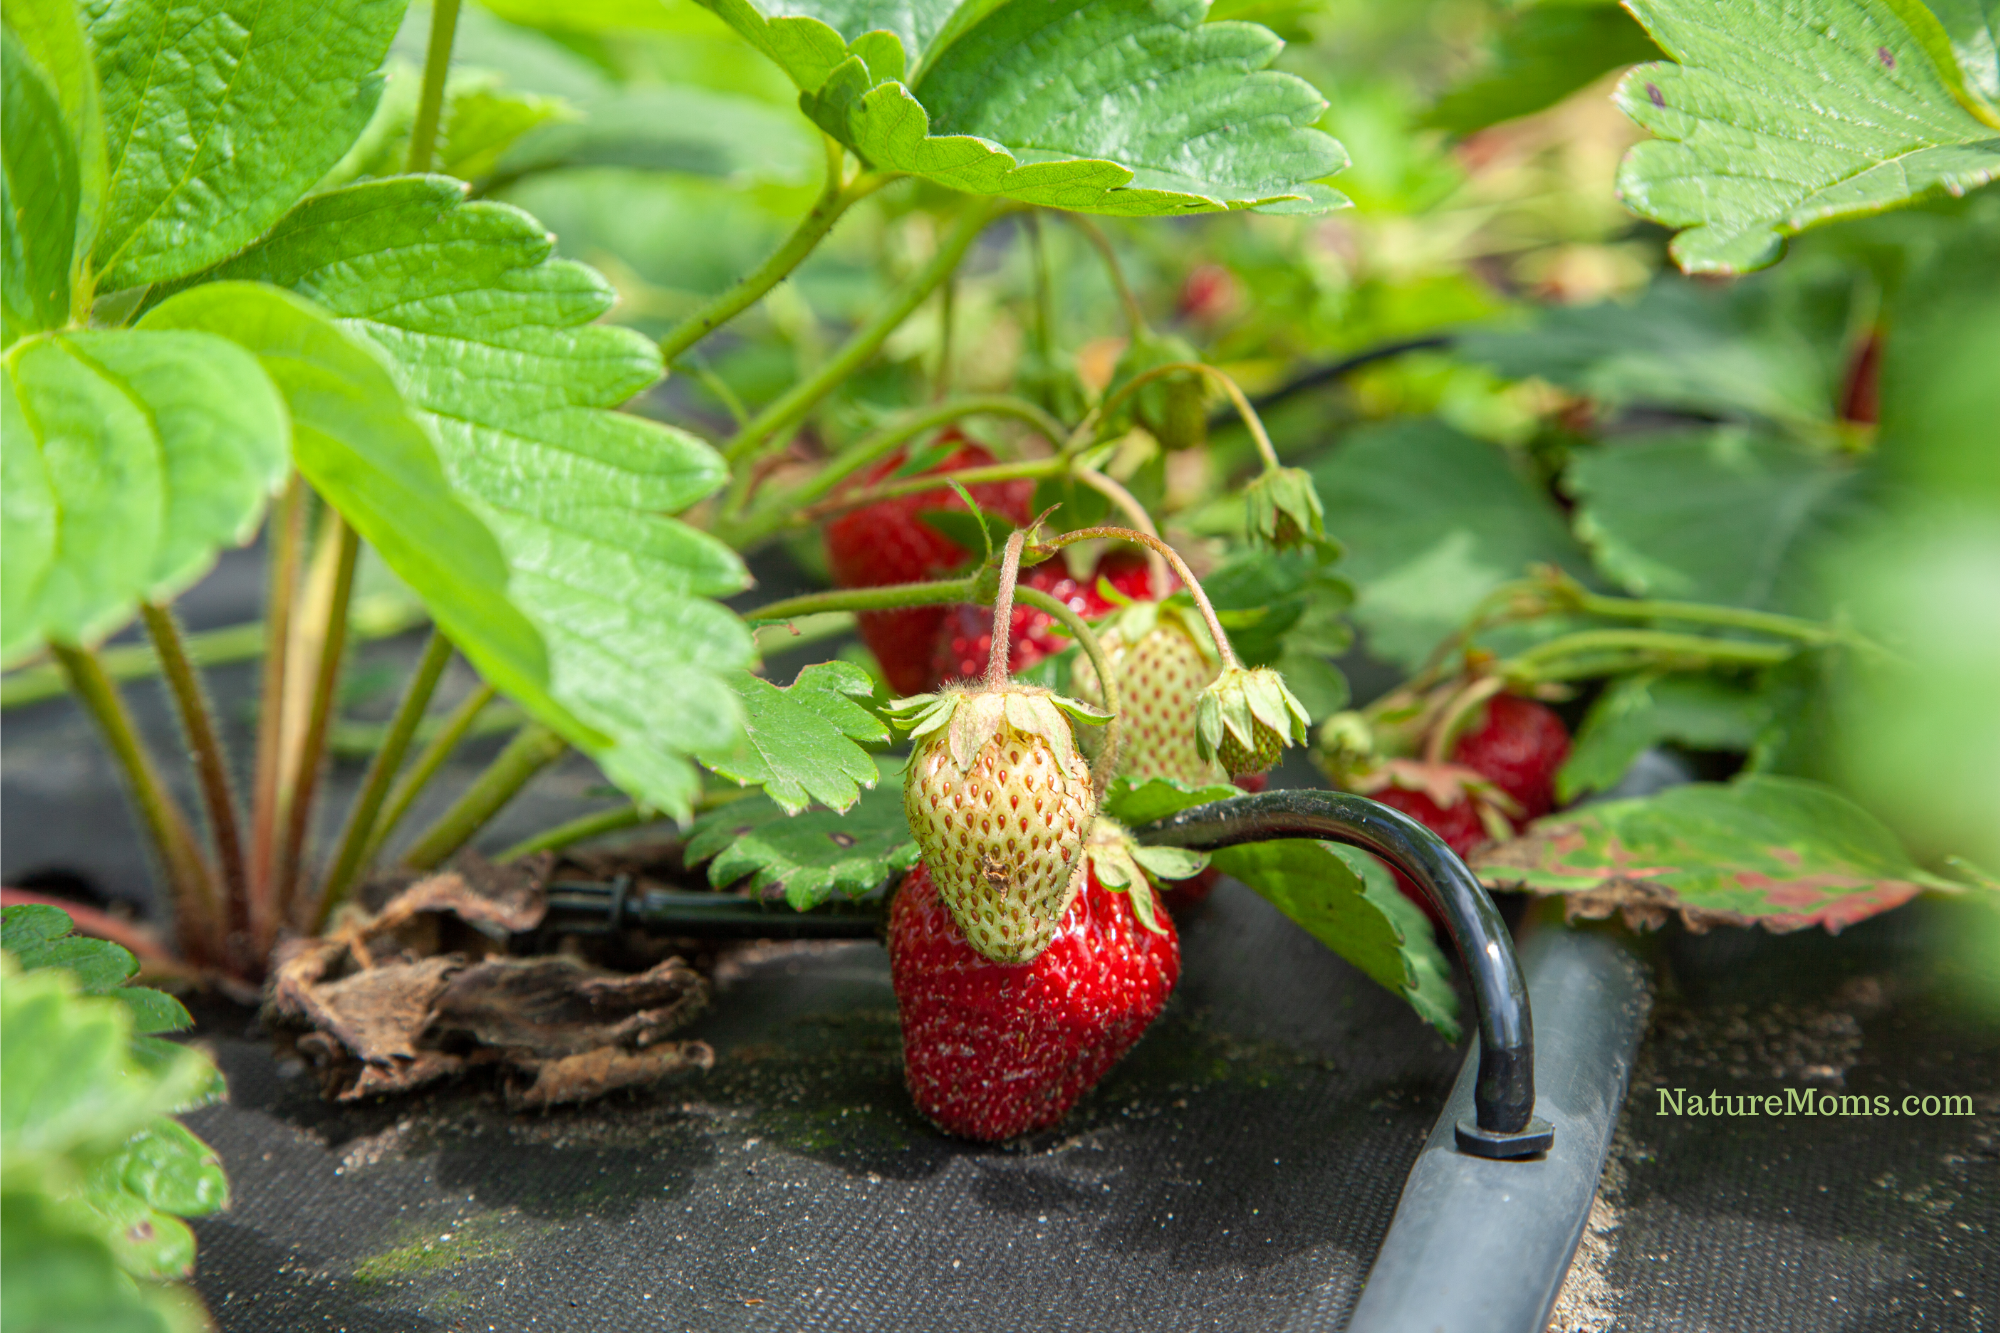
991	1051
886	542
966	637
1459	825
1519	746
966	640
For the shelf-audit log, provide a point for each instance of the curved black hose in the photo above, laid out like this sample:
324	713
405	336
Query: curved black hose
1327	374
594	907
1504	1097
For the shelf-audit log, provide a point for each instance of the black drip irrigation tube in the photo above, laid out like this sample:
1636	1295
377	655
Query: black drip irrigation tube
1503	1123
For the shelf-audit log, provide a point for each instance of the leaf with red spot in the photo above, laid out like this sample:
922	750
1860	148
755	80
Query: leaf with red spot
1781	852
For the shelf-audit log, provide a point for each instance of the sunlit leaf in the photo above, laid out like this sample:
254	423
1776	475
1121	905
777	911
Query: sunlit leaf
217	117
759	848
1105	106
130	458
493	340
799	741
1782	115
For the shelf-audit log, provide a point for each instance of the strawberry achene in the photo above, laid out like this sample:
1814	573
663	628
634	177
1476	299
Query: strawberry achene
992	1050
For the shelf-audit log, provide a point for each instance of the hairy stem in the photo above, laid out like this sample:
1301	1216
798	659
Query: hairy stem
285	536
889	597
1251	420
429	760
298	801
211	764
1461	704
1156	564
579	829
1107	757
1173	558
197	907
833	201
1045	302
533	749
1542	662
1135	318
437	66
349	860
793	405
947	311
971	476
1702	613
1003	611
791	507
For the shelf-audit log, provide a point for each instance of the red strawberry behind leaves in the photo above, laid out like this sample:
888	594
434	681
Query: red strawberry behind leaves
993	1050
1519	746
886	543
966	636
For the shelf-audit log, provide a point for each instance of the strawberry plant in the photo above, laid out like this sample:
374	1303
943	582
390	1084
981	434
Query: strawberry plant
95	1175
1035	338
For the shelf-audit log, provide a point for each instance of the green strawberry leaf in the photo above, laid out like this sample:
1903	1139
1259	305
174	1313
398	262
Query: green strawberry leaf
1781	852
1104	106
374	460
70	1084
799	740
1973	28
1720	516
38	936
39	198
77	1282
216	120
498	350
1541	55
1738	353
1433	520
50	47
129	458
1781	116
808	857
1701	712
1317	884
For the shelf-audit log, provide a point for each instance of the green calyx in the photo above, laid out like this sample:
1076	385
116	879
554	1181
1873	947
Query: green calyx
970	717
1122	866
1284	510
1246	718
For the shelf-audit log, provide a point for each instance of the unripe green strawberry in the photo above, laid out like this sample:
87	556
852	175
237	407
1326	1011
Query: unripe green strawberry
1162	669
1000	802
1247	717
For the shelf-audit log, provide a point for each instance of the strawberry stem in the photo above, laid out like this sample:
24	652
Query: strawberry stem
1003	611
1156	566
1462	703
1251	421
1173	558
1106	766
889	597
